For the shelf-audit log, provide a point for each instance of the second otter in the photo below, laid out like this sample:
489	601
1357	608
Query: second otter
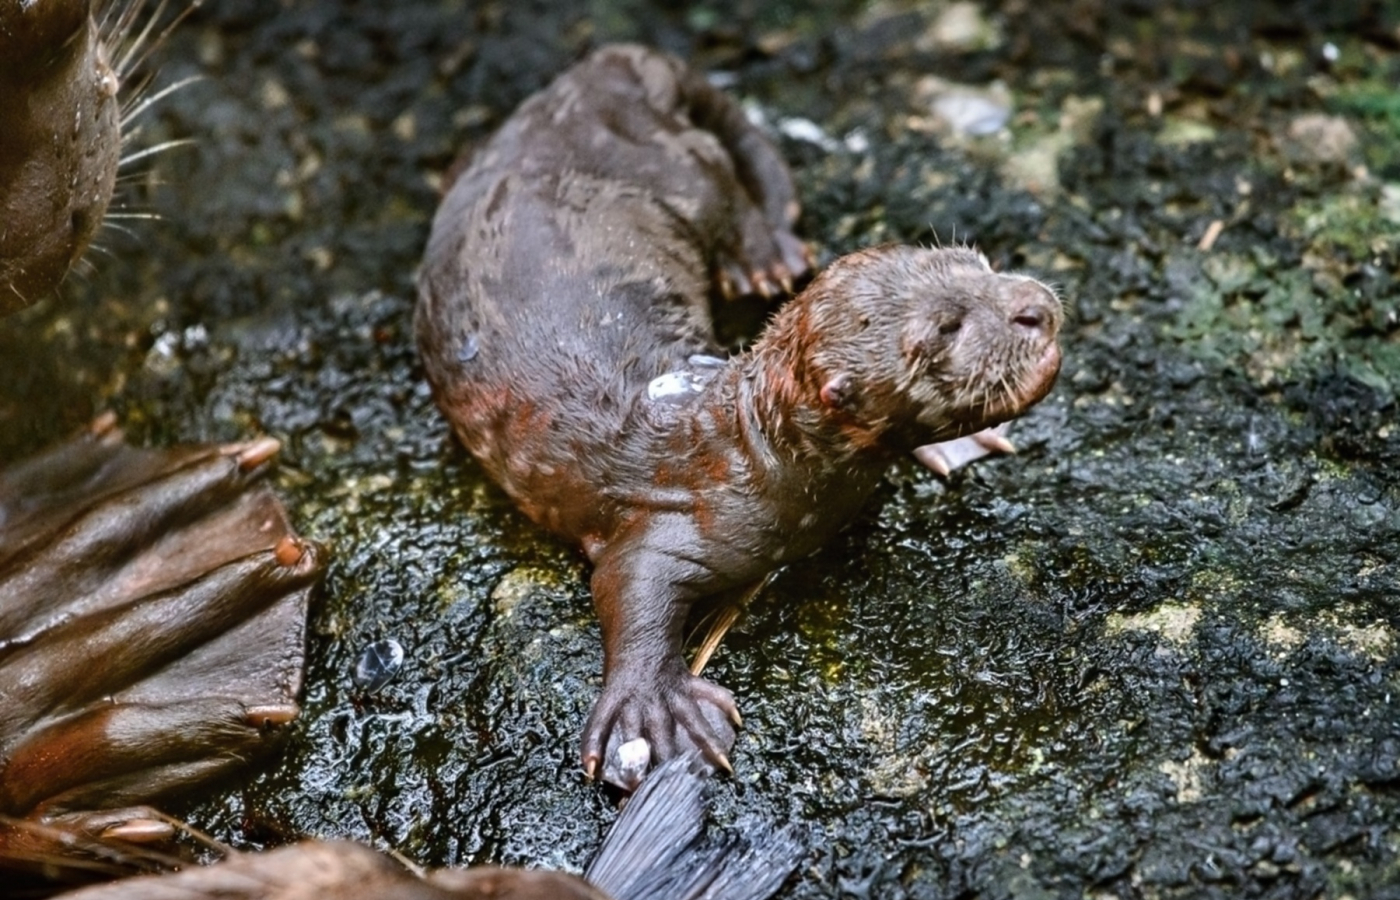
564	323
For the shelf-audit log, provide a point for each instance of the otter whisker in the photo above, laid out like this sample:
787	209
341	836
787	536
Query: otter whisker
210	842
135	90
407	863
161	38
151	151
115	227
135	109
117	35
108	223
140	176
107	9
134	45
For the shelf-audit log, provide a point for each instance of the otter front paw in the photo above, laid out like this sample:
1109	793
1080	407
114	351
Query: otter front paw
651	717
944	457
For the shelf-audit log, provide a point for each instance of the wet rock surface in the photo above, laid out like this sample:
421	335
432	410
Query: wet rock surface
1154	655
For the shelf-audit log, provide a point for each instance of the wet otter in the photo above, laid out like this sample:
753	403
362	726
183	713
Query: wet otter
563	321
60	145
152	625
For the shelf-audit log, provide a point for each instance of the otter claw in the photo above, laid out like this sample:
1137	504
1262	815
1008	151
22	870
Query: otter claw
140	831
796	256
733	283
640	721
103	424
272	715
288	551
994	441
252	455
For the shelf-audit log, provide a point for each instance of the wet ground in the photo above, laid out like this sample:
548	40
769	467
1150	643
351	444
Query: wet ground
1154	655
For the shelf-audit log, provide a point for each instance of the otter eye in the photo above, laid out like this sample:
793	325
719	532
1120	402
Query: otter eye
950	327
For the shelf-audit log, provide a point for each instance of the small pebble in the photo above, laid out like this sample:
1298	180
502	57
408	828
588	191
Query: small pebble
377	665
633	759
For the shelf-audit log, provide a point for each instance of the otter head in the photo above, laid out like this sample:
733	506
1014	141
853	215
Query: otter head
914	346
59	146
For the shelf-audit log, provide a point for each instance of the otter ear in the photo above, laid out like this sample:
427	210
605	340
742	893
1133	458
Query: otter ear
839	392
929	338
916	342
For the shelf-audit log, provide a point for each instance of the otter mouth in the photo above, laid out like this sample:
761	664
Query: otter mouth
1016	397
1039	379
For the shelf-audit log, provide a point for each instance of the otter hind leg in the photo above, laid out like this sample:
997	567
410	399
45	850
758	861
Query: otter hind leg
768	258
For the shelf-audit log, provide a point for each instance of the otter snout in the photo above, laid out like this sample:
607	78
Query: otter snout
1035	315
988	343
60	144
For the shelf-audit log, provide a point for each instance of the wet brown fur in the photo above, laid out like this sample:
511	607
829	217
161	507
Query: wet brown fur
572	263
60	145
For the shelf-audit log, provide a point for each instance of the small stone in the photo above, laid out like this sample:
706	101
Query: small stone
965	109
377	665
630	763
1319	138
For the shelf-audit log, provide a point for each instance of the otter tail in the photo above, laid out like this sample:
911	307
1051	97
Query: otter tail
658	848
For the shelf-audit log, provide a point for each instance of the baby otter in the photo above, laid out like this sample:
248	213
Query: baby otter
564	324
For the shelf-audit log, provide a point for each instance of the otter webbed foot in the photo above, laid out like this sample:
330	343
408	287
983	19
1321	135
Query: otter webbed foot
152	618
646	719
942	458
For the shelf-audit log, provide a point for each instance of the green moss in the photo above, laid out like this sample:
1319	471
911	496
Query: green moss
1349	223
1278	321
